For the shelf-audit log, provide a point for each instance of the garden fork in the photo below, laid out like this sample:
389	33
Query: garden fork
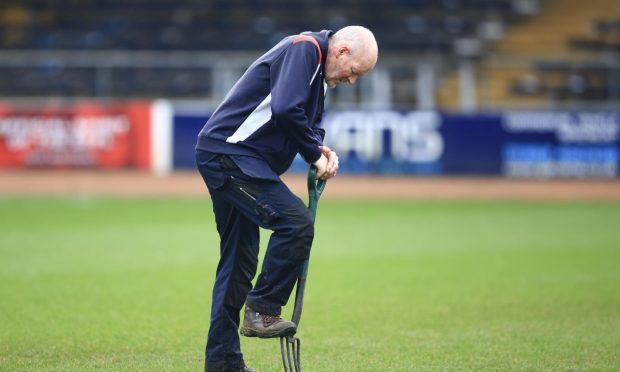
290	346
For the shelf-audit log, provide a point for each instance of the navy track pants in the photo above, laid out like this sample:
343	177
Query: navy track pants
241	204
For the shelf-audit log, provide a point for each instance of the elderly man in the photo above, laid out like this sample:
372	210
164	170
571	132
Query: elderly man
271	114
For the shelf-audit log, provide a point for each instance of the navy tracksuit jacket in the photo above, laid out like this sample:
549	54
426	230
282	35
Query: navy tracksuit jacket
271	114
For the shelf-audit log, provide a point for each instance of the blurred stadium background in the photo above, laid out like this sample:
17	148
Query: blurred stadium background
517	88
479	117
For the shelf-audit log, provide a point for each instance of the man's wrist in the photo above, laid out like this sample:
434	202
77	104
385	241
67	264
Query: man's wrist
314	157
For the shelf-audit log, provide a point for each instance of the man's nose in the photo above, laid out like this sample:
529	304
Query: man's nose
352	80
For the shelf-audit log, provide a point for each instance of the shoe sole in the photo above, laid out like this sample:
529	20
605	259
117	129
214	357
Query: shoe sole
247	332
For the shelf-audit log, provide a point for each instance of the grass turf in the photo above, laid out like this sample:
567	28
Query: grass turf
124	285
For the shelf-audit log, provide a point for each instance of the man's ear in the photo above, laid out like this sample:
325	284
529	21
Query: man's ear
342	50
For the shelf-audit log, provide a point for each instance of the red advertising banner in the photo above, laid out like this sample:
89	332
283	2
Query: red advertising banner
86	134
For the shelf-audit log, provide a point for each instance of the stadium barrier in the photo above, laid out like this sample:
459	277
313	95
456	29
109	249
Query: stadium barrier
151	135
87	134
529	144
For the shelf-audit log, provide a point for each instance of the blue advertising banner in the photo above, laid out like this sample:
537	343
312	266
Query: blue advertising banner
561	144
185	132
472	144
538	144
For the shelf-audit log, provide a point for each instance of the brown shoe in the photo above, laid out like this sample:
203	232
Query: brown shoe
266	326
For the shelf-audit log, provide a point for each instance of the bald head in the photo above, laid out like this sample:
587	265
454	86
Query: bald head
361	42
352	52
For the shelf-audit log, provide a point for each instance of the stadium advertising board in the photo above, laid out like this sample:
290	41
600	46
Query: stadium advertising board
86	134
185	132
561	144
515	144
537	144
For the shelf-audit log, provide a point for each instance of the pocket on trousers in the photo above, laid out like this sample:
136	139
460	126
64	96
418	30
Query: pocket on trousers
227	163
266	212
251	194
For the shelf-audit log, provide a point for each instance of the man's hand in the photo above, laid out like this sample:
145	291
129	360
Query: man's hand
332	160
327	165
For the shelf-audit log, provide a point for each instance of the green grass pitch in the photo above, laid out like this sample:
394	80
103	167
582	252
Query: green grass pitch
124	285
